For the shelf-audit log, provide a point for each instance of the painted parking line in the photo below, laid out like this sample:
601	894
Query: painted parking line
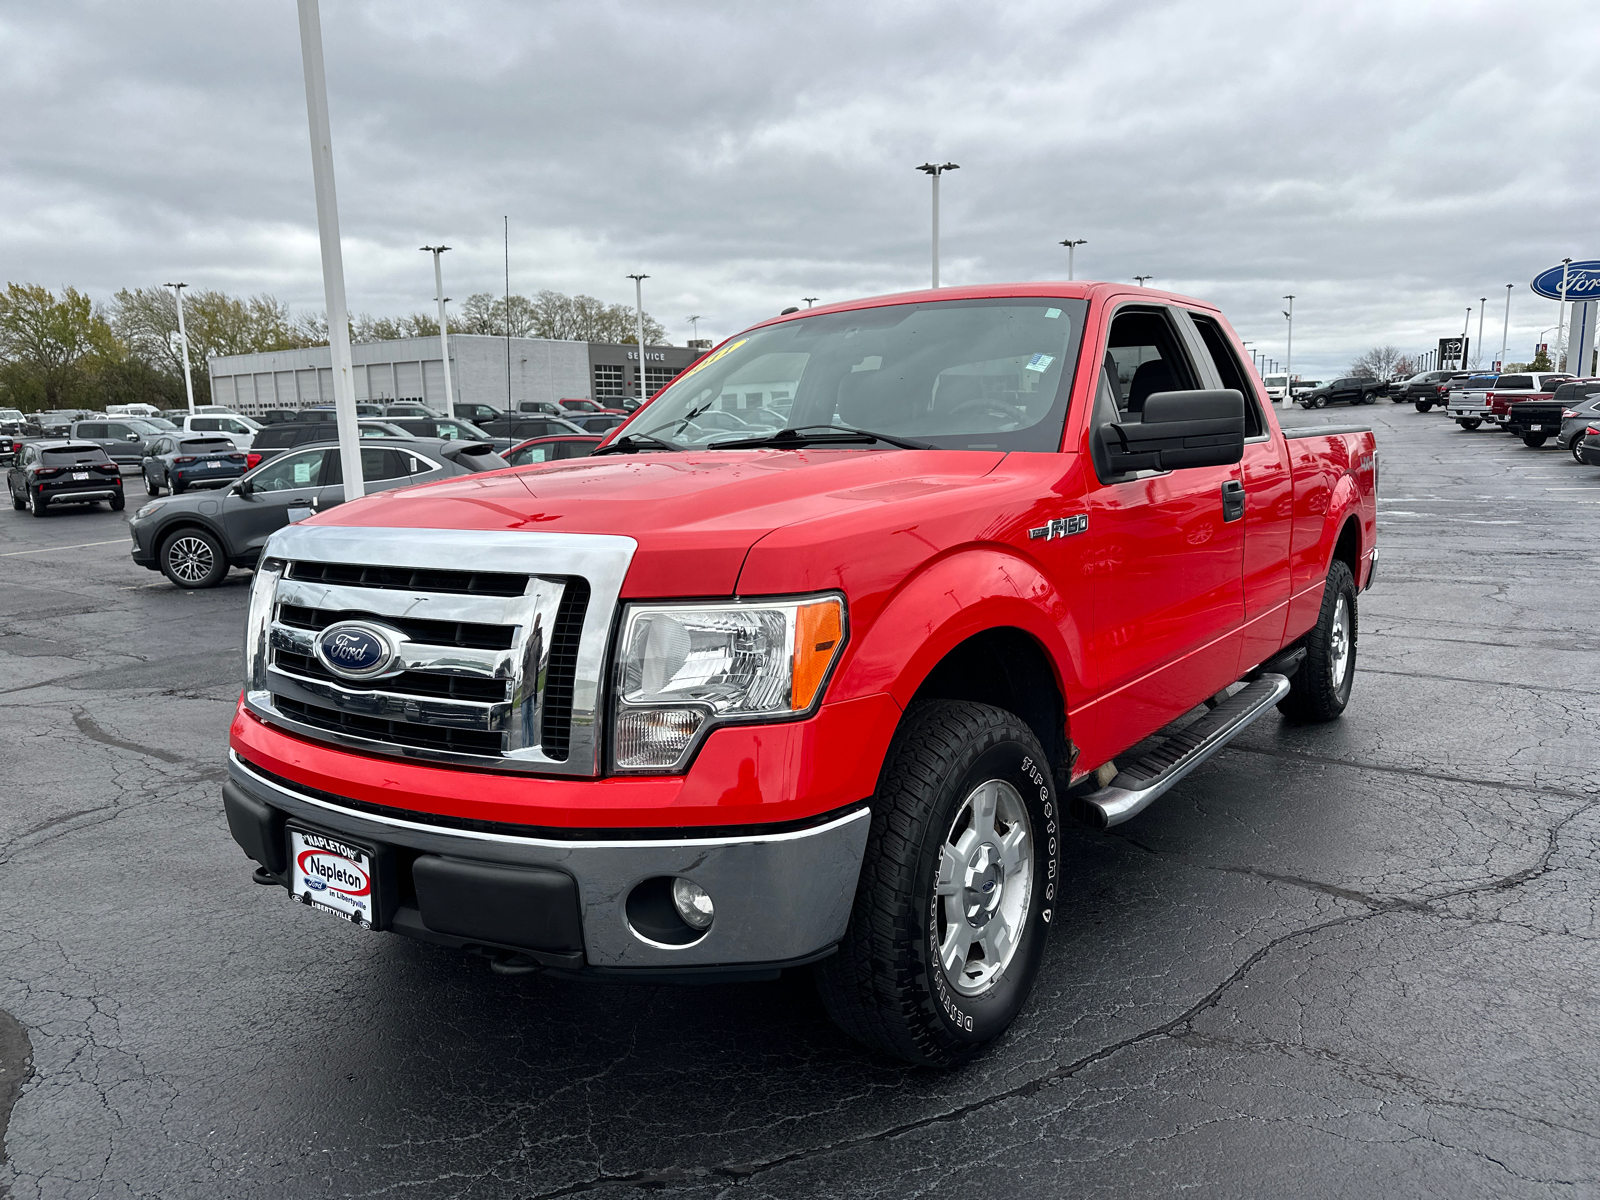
78	546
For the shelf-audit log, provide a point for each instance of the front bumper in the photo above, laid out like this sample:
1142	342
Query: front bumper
781	898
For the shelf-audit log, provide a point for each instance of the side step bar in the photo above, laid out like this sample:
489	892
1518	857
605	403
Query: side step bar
1153	774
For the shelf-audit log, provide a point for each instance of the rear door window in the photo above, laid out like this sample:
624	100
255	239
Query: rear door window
1230	371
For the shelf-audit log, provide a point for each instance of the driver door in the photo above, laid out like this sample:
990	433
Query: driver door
1165	558
289	482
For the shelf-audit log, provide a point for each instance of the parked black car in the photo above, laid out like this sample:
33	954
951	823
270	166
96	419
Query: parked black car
194	547
1427	389
277	416
275	439
179	462
477	413
449	429
1351	389
519	428
45	475
597	422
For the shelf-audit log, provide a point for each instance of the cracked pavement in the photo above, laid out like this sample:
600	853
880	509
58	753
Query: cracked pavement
1353	959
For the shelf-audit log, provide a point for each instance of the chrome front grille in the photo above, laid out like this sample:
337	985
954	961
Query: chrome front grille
500	642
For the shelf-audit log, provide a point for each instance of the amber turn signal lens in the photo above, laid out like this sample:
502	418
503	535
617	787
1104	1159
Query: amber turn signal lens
818	633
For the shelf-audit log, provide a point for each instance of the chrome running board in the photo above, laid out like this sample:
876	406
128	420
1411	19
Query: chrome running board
1152	774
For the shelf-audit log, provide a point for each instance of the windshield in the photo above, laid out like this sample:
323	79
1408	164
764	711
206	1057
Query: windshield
956	374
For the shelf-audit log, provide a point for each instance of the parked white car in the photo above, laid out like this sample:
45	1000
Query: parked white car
241	431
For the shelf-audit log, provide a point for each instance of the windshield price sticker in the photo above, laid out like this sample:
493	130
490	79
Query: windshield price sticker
1040	362
331	874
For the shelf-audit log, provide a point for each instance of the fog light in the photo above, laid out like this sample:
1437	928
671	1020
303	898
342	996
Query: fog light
692	903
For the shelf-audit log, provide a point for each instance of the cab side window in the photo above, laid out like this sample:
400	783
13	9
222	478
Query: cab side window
1233	374
1144	355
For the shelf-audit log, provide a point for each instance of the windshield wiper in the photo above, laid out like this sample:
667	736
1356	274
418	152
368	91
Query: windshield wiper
632	443
800	435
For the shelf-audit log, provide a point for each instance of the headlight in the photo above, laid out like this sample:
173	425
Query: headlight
147	509
684	669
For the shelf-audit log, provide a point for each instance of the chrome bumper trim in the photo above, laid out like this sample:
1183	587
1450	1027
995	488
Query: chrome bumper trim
779	896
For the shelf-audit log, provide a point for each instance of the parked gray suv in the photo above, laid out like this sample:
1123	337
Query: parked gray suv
122	438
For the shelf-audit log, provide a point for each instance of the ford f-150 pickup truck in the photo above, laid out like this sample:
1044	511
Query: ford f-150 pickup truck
810	662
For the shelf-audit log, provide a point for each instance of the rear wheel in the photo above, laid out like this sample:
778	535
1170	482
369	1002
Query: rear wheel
1470	423
1577	450
118	502
957	888
1424	405
37	504
192	558
177	485
18	503
1534	440
1320	689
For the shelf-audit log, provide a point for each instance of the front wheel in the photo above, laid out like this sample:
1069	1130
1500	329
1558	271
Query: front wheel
1470	423
1320	689
1534	440
957	888
193	558
151	487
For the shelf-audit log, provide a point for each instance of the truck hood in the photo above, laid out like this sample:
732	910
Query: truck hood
694	515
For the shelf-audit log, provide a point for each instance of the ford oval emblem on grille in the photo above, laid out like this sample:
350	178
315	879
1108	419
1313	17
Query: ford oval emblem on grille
354	649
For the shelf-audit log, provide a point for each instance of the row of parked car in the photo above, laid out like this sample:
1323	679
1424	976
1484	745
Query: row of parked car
269	474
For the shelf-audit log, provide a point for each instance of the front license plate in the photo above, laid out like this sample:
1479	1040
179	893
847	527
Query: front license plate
80	474
332	873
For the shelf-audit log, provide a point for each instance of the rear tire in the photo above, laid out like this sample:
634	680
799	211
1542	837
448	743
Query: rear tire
37	504
1320	689
18	503
1534	440
1577	451
957	888
1424	406
177	486
1470	423
193	558
118	502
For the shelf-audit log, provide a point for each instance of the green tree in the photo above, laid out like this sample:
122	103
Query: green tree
52	350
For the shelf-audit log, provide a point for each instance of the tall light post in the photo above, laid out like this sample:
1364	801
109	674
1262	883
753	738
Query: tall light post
933	173
1482	302
1505	329
444	329
1140	279
694	325
1288	368
183	339
638	305
344	388
1071	245
1566	264
810	300
1461	363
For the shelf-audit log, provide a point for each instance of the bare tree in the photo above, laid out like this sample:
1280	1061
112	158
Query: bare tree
1380	362
557	316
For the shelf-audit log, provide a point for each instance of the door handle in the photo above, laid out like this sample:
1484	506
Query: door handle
1232	500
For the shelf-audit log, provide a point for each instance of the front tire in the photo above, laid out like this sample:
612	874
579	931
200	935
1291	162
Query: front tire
151	487
193	558
957	888
1320	689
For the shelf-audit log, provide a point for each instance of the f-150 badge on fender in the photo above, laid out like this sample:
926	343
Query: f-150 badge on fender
1060	527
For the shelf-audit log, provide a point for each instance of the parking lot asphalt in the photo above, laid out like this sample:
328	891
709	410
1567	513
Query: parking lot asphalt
1359	959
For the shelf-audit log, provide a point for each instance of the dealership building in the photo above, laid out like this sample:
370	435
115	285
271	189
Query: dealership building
413	369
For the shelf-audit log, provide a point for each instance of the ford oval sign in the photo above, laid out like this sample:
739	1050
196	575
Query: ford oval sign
354	649
1583	281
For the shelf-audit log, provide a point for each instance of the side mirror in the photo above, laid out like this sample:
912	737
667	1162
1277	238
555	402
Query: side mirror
243	488
133	437
1180	429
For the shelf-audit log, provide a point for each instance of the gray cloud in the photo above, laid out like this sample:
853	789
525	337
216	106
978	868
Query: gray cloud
1387	163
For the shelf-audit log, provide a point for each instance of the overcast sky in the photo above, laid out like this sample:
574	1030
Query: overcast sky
1388	163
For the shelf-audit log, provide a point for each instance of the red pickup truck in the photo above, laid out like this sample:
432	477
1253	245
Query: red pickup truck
812	659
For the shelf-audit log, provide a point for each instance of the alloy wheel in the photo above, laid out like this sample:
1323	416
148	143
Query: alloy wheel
1339	644
985	885
191	559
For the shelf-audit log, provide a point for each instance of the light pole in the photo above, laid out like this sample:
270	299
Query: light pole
638	303
444	329
810	300
1482	301
1465	325
1070	244
1288	369
1139	279
1505	330
344	387
1566	264
933	173
694	324
183	339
